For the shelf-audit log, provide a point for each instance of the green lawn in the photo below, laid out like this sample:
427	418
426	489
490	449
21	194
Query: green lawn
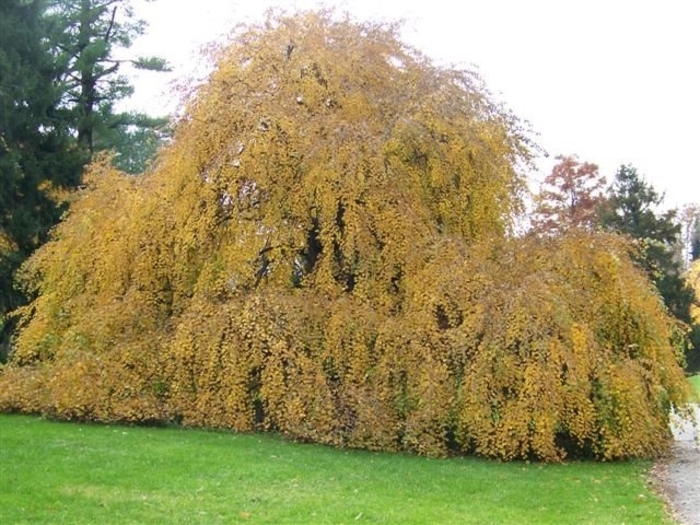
695	381
79	473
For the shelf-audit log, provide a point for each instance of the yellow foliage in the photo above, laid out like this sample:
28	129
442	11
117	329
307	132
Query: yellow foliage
324	252
6	243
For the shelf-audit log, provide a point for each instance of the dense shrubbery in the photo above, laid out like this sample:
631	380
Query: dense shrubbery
323	252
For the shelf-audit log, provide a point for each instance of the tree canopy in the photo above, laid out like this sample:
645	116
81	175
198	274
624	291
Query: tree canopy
570	196
325	251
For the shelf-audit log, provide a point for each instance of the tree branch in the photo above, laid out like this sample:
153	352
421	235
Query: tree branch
108	34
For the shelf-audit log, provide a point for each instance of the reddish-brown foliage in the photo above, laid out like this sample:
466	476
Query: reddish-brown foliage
570	196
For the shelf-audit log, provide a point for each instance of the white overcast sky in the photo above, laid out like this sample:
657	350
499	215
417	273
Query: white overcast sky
612	81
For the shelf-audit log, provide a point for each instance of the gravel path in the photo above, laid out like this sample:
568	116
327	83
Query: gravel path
678	477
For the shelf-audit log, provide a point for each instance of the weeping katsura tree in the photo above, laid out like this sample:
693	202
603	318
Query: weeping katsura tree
325	251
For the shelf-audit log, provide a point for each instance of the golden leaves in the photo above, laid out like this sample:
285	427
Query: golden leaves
323	252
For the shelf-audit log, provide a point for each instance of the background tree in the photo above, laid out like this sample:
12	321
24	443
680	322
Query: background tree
689	239
569	196
692	277
335	263
86	37
135	140
37	163
690	216
632	209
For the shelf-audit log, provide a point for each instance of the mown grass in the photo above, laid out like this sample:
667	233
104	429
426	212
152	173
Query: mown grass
80	473
695	381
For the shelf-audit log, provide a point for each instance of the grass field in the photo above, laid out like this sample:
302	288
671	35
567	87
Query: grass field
79	473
